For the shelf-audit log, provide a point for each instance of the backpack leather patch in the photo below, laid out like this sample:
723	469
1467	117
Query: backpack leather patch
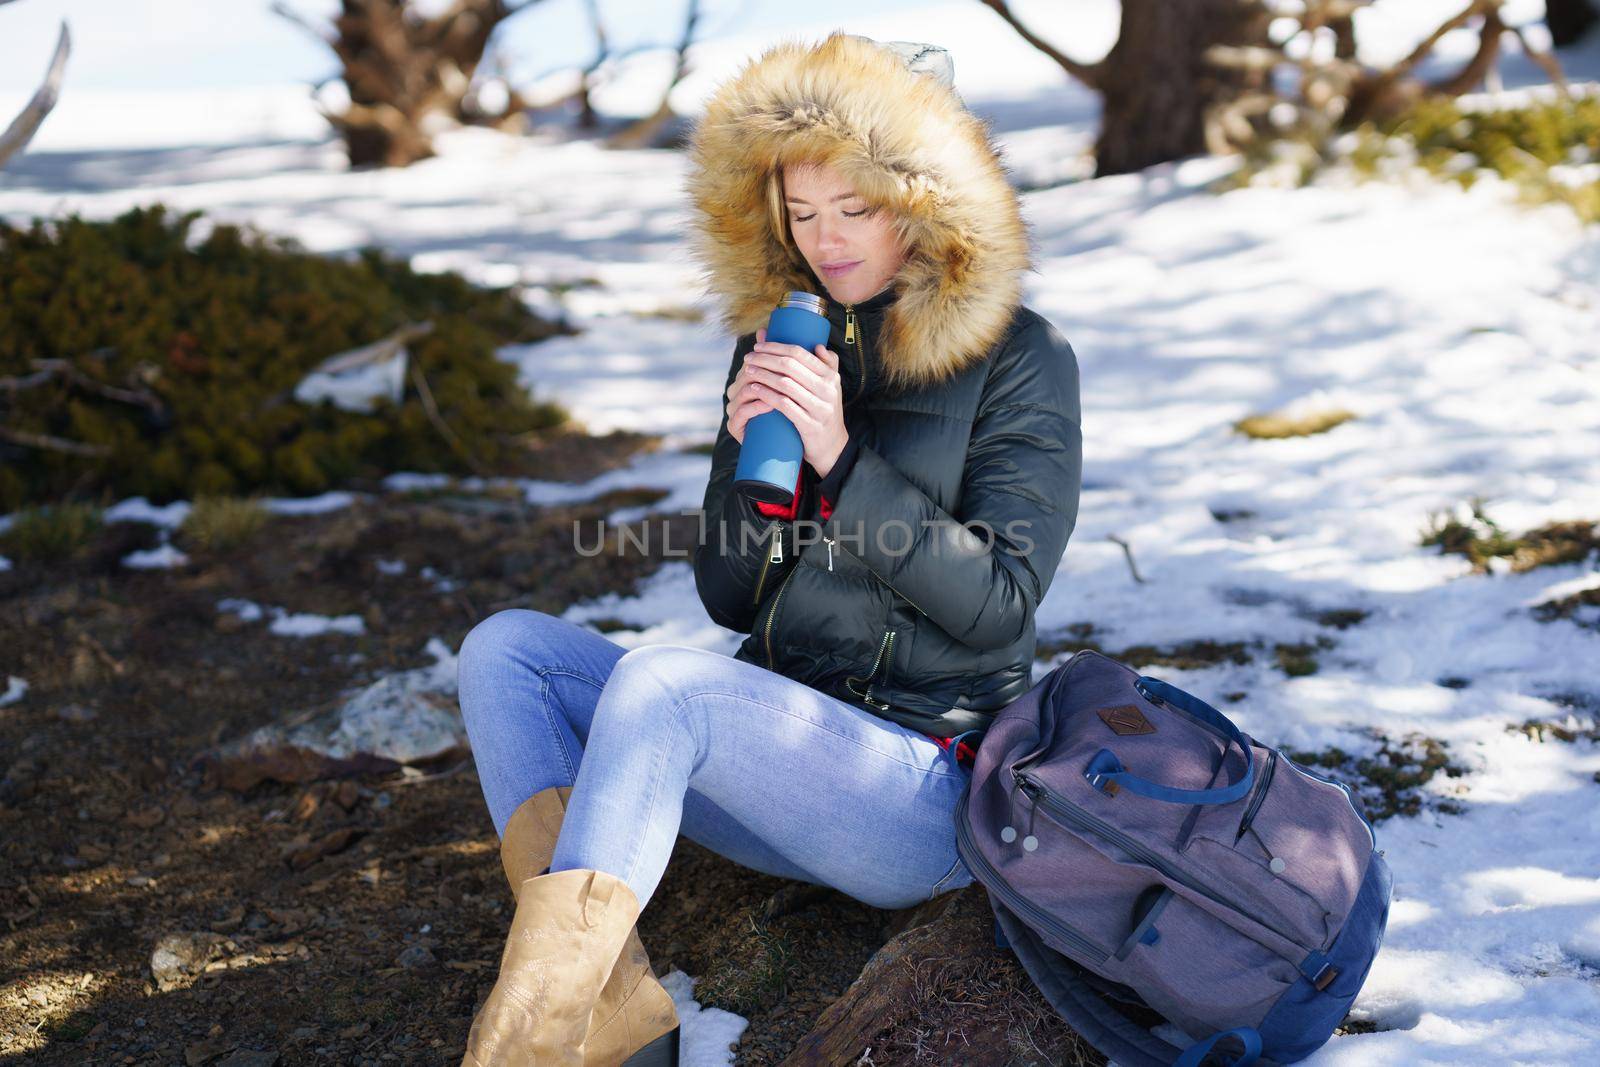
1126	719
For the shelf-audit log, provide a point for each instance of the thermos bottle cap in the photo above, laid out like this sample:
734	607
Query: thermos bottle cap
797	298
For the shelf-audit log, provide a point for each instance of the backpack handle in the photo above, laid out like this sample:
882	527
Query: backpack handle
1105	768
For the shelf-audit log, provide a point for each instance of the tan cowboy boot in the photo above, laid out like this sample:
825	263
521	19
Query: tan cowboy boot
634	1021
565	937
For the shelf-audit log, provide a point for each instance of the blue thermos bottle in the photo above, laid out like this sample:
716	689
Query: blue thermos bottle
769	460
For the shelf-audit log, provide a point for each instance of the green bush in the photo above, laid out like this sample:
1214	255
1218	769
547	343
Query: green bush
220	331
222	522
51	532
1542	147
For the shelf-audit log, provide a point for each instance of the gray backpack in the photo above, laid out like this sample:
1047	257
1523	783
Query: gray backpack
1138	848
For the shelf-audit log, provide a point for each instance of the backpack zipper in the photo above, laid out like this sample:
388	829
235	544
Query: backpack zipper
1080	819
1032	913
1261	794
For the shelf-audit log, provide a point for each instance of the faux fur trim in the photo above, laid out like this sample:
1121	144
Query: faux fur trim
908	144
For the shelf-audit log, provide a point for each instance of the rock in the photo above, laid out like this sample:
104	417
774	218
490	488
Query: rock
21	781
400	719
205	1051
302	854
76	713
416	958
248	1057
178	956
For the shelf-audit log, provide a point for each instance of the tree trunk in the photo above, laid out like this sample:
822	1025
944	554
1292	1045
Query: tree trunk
1157	86
1569	20
941	988
402	67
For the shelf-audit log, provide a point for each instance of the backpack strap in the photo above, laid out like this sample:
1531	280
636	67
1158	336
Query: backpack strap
1106	772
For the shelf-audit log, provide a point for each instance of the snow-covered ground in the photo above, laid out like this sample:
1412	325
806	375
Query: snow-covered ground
1461	331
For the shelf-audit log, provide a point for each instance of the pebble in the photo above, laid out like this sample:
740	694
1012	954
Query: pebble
416	958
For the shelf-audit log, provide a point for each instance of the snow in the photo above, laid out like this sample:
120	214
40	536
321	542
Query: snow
248	610
304	624
138	509
161	557
1455	325
309	505
292	624
16	689
704	1034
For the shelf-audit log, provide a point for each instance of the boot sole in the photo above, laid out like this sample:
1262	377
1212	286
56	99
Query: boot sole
662	1052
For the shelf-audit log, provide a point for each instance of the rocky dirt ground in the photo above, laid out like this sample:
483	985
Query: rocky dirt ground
149	917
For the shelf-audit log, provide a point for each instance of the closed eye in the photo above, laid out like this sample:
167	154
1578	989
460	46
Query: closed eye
848	214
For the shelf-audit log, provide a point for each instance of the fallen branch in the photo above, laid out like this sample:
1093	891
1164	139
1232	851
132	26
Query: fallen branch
432	411
47	443
53	368
1126	551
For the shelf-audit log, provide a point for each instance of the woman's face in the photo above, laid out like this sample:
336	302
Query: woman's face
834	229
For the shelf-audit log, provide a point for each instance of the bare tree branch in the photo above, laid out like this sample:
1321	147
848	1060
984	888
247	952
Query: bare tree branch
1475	69
1089	75
26	124
1547	62
644	131
47	443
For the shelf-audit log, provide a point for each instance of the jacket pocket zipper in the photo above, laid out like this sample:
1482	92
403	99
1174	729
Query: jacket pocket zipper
881	661
772	613
775	555
1079	819
840	545
1018	903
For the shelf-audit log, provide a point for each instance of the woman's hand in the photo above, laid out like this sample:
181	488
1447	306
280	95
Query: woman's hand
803	385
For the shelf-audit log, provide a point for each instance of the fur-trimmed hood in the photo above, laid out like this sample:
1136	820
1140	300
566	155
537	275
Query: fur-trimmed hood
907	144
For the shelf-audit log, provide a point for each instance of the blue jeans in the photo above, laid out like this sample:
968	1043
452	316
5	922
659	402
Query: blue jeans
664	739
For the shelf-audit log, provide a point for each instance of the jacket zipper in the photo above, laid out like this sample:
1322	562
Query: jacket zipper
1260	795
773	556
772	613
1024	907
883	646
1080	819
853	337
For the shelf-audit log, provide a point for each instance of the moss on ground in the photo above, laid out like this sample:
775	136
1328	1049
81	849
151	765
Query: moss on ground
1392	781
1293	659
1481	539
1275	425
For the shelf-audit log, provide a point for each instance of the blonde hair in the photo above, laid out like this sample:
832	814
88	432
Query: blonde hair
777	211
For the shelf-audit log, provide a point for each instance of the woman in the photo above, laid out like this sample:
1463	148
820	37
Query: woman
942	449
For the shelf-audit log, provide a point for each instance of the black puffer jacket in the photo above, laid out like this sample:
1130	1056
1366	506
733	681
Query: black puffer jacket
915	599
